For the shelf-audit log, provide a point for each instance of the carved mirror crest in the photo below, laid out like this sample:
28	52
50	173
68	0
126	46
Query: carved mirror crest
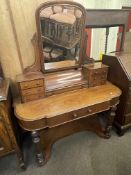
60	28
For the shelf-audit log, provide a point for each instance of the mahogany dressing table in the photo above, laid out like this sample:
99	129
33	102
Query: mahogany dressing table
60	95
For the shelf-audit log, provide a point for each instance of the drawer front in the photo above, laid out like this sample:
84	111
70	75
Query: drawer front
37	90
32	97
97	80
100	72
98	77
31	84
84	112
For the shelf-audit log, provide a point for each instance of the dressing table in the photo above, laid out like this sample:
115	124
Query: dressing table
59	94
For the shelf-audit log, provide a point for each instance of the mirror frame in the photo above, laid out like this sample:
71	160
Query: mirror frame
38	26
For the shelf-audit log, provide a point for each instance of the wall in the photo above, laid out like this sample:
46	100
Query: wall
16	51
98	35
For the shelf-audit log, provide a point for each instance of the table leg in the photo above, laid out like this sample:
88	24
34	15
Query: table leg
110	120
39	154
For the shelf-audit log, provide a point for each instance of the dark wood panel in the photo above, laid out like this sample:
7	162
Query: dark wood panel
104	18
119	74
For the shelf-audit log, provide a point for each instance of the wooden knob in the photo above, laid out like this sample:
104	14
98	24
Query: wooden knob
75	115
89	110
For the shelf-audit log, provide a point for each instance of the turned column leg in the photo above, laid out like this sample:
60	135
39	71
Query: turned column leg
110	120
38	149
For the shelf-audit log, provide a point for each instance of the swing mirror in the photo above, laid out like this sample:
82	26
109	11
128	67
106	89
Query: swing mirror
61	27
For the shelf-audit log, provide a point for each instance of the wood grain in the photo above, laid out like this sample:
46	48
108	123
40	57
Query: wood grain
62	103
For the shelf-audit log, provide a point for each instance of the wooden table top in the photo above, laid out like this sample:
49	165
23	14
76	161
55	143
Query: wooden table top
65	102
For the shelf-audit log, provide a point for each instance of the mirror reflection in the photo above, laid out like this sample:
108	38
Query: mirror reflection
61	27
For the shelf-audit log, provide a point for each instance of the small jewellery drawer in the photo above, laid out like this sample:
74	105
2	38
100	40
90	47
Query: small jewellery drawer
32	84
80	113
32	97
97	80
100	72
31	91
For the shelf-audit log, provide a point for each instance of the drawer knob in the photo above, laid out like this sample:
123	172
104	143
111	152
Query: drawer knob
75	115
89	110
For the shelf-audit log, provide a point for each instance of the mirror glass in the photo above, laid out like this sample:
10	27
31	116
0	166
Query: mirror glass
61	30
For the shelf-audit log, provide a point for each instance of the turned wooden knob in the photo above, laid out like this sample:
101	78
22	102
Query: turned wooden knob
89	110
75	115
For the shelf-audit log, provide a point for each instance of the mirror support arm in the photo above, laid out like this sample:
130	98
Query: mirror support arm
36	66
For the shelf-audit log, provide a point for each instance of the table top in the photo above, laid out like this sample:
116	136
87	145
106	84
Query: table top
65	102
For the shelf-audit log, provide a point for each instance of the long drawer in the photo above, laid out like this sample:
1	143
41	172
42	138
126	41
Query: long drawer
66	117
56	120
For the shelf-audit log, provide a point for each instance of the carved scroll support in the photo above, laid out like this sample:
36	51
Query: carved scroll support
37	64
